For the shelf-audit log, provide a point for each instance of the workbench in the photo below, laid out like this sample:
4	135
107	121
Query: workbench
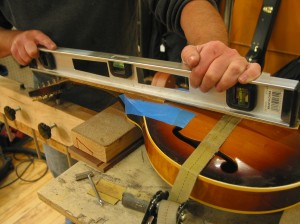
71	198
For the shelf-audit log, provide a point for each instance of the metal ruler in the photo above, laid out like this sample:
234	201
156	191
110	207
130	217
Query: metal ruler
267	99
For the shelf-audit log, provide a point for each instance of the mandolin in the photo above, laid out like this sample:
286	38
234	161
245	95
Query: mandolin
256	171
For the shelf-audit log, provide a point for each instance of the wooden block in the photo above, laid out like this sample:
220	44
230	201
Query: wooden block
98	164
106	134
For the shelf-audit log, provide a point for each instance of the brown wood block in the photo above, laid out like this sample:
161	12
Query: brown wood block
106	134
98	164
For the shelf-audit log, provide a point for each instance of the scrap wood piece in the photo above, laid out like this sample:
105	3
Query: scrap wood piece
109	191
98	164
106	134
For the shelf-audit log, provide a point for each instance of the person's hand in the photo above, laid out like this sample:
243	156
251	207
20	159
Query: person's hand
24	46
216	65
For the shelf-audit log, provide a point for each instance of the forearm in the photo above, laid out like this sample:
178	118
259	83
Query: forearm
202	23
6	38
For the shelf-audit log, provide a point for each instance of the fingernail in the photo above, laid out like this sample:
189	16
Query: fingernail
191	59
243	79
51	45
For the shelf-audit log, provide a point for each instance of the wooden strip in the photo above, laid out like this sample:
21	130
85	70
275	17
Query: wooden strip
98	164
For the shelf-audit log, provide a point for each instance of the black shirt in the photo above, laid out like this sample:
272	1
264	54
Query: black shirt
97	25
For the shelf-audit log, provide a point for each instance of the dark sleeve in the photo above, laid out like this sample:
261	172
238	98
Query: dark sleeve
168	12
4	23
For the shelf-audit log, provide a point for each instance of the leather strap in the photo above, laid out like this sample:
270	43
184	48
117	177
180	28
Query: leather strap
263	31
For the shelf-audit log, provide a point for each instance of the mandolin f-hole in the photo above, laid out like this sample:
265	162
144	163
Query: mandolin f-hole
228	166
191	142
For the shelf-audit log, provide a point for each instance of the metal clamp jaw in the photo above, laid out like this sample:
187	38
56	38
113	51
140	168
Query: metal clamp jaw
151	215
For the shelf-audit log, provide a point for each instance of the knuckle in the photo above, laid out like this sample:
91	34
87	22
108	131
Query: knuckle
235	68
217	44
211	78
31	51
253	70
14	51
215	48
31	35
232	52
33	32
220	88
32	54
255	67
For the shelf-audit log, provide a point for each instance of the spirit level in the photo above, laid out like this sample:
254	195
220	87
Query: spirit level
267	99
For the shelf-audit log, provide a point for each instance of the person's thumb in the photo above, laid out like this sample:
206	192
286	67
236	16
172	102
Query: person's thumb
45	41
190	56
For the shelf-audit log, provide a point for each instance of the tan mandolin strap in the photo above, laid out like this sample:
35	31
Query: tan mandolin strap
197	161
201	156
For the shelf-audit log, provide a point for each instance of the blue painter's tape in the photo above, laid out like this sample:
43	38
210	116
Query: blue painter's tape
162	112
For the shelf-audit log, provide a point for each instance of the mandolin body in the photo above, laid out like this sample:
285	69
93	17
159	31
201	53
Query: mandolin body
265	175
